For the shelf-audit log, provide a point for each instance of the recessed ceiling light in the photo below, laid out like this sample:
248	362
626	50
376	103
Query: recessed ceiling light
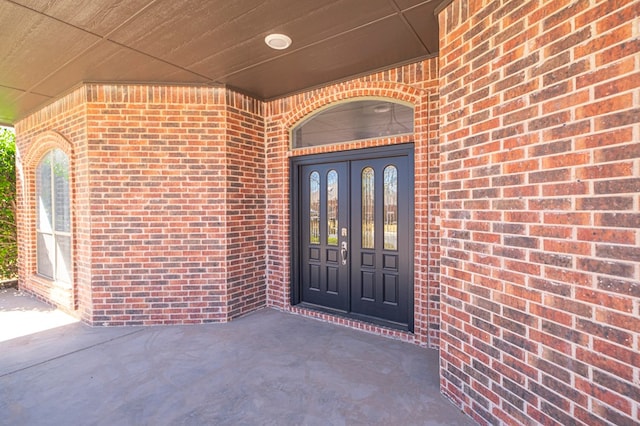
277	41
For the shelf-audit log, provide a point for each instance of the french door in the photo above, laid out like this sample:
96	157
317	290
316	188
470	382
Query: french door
353	234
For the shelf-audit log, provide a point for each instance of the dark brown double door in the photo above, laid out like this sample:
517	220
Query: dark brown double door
353	234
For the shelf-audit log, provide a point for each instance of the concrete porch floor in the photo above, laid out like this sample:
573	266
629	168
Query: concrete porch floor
267	368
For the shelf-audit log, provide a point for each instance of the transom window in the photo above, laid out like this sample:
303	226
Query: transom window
53	225
367	118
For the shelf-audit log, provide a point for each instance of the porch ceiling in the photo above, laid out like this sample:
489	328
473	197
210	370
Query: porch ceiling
47	47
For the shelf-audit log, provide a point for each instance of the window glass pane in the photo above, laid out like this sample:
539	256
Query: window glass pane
53	250
332	208
368	208
44	203
62	207
390	208
45	253
354	120
63	258
314	208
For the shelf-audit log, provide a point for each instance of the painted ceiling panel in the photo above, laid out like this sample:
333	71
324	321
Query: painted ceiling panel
424	23
97	16
32	46
306	29
104	64
406	4
10	99
47	47
377	45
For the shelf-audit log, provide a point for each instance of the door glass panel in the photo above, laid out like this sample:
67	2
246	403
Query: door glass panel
332	208
368	208
390	208
314	208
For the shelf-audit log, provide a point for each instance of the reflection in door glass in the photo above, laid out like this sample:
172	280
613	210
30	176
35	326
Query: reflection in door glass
390	208
314	208
368	208
332	208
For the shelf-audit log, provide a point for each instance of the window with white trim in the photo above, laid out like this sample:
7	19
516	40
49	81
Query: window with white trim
53	222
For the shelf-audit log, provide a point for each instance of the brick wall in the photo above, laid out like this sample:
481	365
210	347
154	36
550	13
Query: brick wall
177	184
169	178
540	210
61	125
416	84
246	272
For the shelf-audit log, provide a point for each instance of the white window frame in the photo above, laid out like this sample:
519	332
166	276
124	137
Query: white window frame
53	233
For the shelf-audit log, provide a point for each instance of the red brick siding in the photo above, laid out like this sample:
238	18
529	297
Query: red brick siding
540	210
246	247
158	181
171	189
415	84
60	125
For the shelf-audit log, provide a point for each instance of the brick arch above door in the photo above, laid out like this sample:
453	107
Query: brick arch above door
399	92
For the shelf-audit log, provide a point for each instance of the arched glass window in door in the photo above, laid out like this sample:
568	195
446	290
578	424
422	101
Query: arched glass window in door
53	223
314	208
363	118
368	208
332	208
390	208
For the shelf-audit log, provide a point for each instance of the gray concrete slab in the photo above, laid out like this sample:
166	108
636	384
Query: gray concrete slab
39	333
267	368
25	315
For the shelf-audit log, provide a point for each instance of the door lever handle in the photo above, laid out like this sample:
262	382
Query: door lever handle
344	252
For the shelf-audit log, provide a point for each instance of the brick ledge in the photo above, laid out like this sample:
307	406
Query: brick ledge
378	330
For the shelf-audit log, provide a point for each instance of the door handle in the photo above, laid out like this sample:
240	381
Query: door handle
344	252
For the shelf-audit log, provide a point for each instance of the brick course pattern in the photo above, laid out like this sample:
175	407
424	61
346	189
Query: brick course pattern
527	201
182	187
540	210
168	200
416	84
62	126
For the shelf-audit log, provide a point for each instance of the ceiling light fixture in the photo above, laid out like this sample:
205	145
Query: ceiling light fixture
277	41
381	108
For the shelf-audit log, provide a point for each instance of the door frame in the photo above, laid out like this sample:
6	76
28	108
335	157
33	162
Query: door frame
295	164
